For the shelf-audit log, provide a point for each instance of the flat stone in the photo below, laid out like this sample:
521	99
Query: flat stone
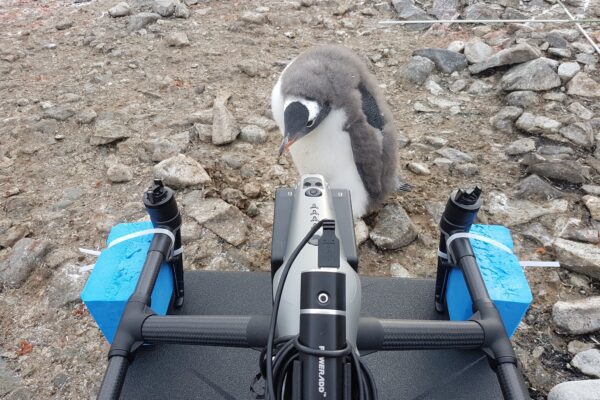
535	75
576	390
443	163
86	116
435	141
223	219
65	24
407	11
253	134
520	146
393	228
255	18
568	70
141	20
26	255
477	51
181	171
418	168
165	8
579	110
537	124
591	189
593	205
504	119
518	54
580	133
558	52
108	128
516	212
480	88
416	71
538	234
586	59
119	173
454	155
535	188
553	150
556	40
177	39
588	362
567	171
458	85
577	346
59	113
582	258
522	98
445	61
122	9
482	11
573	230
433	87
225	128
583	85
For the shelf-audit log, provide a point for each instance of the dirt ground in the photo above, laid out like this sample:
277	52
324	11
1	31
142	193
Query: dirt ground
56	184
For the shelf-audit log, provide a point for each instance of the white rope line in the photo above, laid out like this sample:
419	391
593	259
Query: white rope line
579	27
133	235
490	21
546	264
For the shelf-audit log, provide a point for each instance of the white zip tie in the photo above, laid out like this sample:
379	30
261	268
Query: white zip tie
95	253
579	27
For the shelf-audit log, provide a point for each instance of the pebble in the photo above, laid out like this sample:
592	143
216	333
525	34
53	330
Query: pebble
62	25
398	271
26	255
361	231
65	286
482	11
223	219
234	197
177	39
576	390
558	52
49	46
443	163
122	9
456	46
568	70
181	171
582	258
458	85
254	18
536	75
393	228
433	87
561	170
583	85
588	362
436	142
535	188
520	146
537	124
555	96
576	346
518	54
119	173
522	98
587	59
593	205
141	20
416	71
477	51
591	189
407	10
556	40
165	8
480	88
446	61
46	126
252	190
418	168
253	134
580	133
579	110
225	128
511	212
454	155
466	169
108	128
85	116
59	113
181	11
504	119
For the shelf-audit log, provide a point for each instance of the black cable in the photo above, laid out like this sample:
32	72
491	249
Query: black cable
269	355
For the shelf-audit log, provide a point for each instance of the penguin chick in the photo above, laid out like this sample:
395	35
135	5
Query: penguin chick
335	122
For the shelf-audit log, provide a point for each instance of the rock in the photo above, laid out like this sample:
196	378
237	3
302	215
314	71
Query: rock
435	141
120	10
445	61
579	257
62	25
538	234
591	189
583	85
477	51
11	236
9	382
398	271
177	39
254	18
587	59
555	96
415	71
253	134
181	11
505	118
26	255
575	390
588	362
466	169
454	155
593	205
556	40
223	219
59	113
520	146
165	8
234	197
534	75
407	11
576	346
579	110
119	173
252	190
393	228
444	9
573	230
181	171
65	286
522	98
168	146
443	163
46	126
535	188
456	46
516	212
514	55
482	11
580	133
537	124
418	168
361	231
225	128
252	68
85	116
567	171
141	20
109	128
480	88
558	52
434	88
550	150
458	85
203	132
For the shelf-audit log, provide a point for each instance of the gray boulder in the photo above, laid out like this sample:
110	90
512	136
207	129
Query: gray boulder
534	75
576	390
583	85
416	71
181	171
477	51
567	171
537	124
535	188
393	228
577	317
445	61
580	133
518	54
588	362
579	257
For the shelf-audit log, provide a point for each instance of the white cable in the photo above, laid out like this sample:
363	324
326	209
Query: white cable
579	27
546	264
489	21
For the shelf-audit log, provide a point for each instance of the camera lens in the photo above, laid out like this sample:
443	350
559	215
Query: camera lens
313	192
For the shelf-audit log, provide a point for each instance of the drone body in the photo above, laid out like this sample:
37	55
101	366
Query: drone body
336	123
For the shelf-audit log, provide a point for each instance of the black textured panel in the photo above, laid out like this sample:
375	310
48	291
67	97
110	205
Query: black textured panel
370	108
172	371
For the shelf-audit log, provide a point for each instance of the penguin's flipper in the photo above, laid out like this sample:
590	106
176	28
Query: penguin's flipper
371	109
366	148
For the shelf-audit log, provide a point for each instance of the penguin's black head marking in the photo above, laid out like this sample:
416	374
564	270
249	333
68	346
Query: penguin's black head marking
298	122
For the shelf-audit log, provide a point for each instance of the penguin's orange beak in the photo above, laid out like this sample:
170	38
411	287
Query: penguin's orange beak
286	143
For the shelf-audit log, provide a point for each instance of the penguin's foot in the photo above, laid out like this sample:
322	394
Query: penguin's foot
402	186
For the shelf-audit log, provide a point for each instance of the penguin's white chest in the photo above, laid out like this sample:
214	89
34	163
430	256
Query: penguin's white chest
327	151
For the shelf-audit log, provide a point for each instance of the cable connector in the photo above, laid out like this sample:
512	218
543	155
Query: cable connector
329	246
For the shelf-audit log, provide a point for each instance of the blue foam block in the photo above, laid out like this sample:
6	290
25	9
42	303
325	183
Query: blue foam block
503	276
115	275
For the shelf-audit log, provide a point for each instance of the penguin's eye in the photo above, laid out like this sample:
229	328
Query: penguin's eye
310	123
